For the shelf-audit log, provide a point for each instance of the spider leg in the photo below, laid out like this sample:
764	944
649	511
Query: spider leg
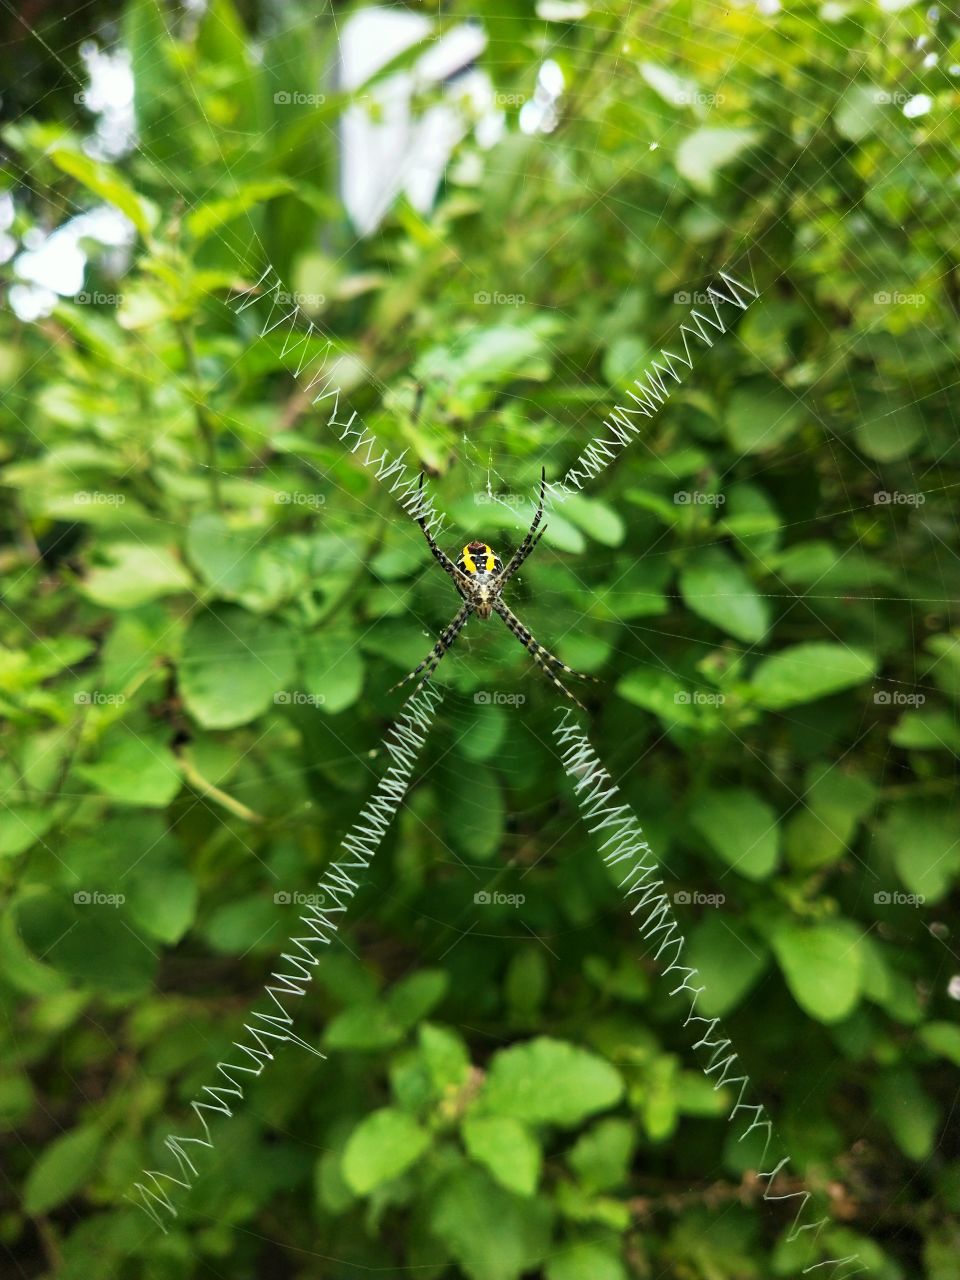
529	542
444	560
545	660
447	637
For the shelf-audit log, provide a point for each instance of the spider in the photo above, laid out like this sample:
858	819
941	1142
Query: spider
480	577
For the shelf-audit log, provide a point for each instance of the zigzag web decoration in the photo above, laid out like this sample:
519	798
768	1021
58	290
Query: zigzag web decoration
595	791
652	390
309	372
311	369
403	742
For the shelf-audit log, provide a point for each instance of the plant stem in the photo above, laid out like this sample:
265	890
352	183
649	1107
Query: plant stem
206	424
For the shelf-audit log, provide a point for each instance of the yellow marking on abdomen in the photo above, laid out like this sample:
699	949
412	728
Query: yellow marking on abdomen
468	561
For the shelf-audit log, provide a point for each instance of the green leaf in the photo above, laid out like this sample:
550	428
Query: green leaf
232	666
715	587
942	1038
805	672
164	903
412	998
927	730
833	804
761	415
446	1056
506	1149
586	1260
890	433
363	1027
333	669
858	112
108	185
225	557
206	218
728	961
598	520
546	1081
476	824
490	1233
741	828
703	153
380	1148
922	837
134	769
134	575
822	967
601	1157
62	1169
909	1113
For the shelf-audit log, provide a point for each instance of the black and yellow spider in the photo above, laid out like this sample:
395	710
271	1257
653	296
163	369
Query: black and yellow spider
480	577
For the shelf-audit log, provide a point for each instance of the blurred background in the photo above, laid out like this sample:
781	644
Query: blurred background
497	215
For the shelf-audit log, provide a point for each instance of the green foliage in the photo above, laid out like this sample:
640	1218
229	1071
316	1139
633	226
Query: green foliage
207	600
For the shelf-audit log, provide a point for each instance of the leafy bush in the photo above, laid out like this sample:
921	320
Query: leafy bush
208	598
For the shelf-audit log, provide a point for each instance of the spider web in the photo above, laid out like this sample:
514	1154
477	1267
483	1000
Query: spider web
477	461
